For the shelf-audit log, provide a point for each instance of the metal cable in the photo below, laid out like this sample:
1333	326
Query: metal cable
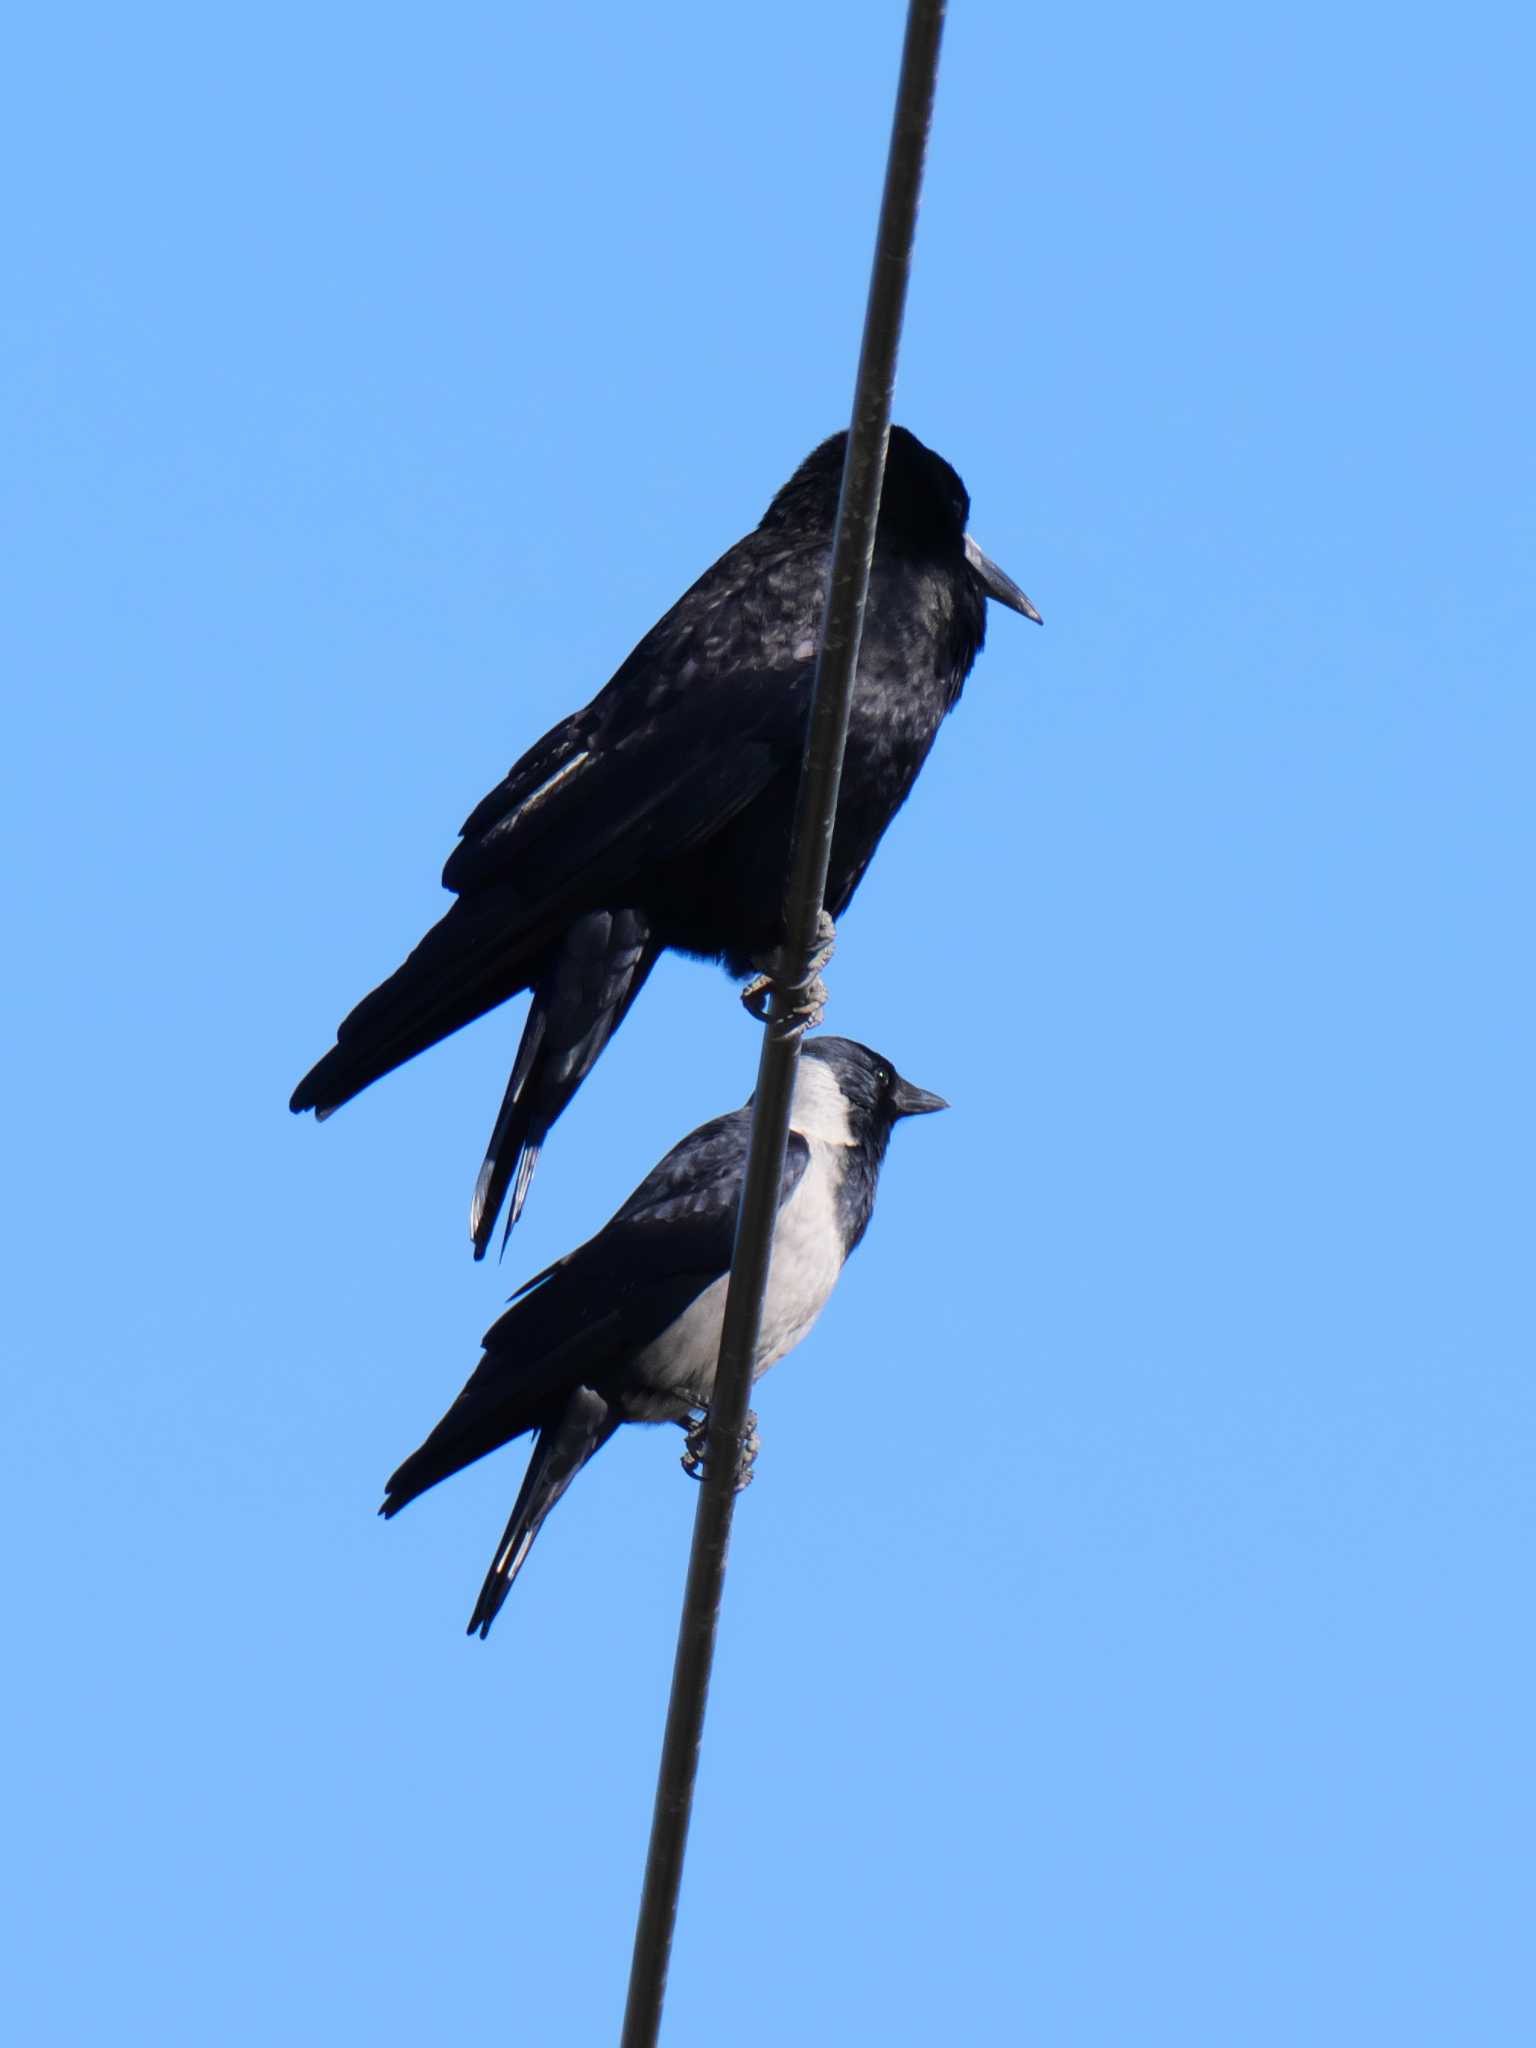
816	812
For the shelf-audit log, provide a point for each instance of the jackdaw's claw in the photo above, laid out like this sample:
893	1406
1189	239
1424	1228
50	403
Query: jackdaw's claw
697	1429
694	1459
751	1444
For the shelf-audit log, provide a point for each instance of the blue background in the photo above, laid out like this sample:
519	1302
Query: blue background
1128	1636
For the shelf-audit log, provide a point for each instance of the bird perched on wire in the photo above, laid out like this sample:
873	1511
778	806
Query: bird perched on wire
660	815
627	1327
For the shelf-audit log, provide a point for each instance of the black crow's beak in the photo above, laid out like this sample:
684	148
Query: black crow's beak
905	1100
997	585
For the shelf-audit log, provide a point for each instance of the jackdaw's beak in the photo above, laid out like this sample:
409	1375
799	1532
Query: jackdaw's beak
997	585
905	1100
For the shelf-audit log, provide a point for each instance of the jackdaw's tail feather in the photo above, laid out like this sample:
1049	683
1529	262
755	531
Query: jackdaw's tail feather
560	1450
471	960
579	1001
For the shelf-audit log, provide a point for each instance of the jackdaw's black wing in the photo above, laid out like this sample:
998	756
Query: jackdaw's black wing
582	1320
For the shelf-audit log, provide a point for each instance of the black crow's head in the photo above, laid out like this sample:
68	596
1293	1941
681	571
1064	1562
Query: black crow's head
922	498
923	504
866	1089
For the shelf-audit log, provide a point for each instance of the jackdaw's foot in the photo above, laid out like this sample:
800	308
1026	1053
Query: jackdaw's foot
805	1002
694	1460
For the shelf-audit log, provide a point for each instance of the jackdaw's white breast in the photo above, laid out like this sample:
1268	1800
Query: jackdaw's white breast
677	1369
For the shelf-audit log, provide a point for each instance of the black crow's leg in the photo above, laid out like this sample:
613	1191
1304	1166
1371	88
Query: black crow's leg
693	1459
806	1000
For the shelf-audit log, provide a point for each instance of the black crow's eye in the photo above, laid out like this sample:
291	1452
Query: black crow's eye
883	1076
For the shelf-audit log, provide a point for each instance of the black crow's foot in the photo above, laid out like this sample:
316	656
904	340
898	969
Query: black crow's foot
804	1002
754	997
694	1459
826	942
807	1004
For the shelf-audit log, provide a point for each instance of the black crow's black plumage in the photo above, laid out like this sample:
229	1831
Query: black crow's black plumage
627	1327
660	814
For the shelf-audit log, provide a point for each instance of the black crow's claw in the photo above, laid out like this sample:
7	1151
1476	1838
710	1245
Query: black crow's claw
810	1004
754	997
803	1002
826	942
807	1002
694	1459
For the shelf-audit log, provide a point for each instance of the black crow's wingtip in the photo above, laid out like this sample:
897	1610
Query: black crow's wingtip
513	1212
528	1159
491	1191
484	1208
482	1218
483	1229
493	1595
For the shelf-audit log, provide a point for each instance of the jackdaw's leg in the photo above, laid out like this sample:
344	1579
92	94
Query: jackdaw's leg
694	1457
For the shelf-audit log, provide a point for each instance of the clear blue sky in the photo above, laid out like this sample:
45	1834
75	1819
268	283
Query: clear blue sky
1128	1639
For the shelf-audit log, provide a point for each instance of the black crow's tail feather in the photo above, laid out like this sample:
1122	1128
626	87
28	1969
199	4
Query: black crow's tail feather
471	960
560	1450
579	1000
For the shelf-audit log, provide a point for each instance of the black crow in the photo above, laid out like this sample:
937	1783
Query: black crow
627	1327
660	815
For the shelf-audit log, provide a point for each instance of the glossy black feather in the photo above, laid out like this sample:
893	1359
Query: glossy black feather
579	1001
668	799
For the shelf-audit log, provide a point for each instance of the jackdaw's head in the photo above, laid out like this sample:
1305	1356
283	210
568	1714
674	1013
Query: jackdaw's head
872	1095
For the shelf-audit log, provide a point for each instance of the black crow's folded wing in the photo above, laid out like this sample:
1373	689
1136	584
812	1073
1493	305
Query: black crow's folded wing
586	816
580	1320
581	829
693	724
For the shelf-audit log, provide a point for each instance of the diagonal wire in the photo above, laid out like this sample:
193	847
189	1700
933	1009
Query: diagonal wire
827	731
